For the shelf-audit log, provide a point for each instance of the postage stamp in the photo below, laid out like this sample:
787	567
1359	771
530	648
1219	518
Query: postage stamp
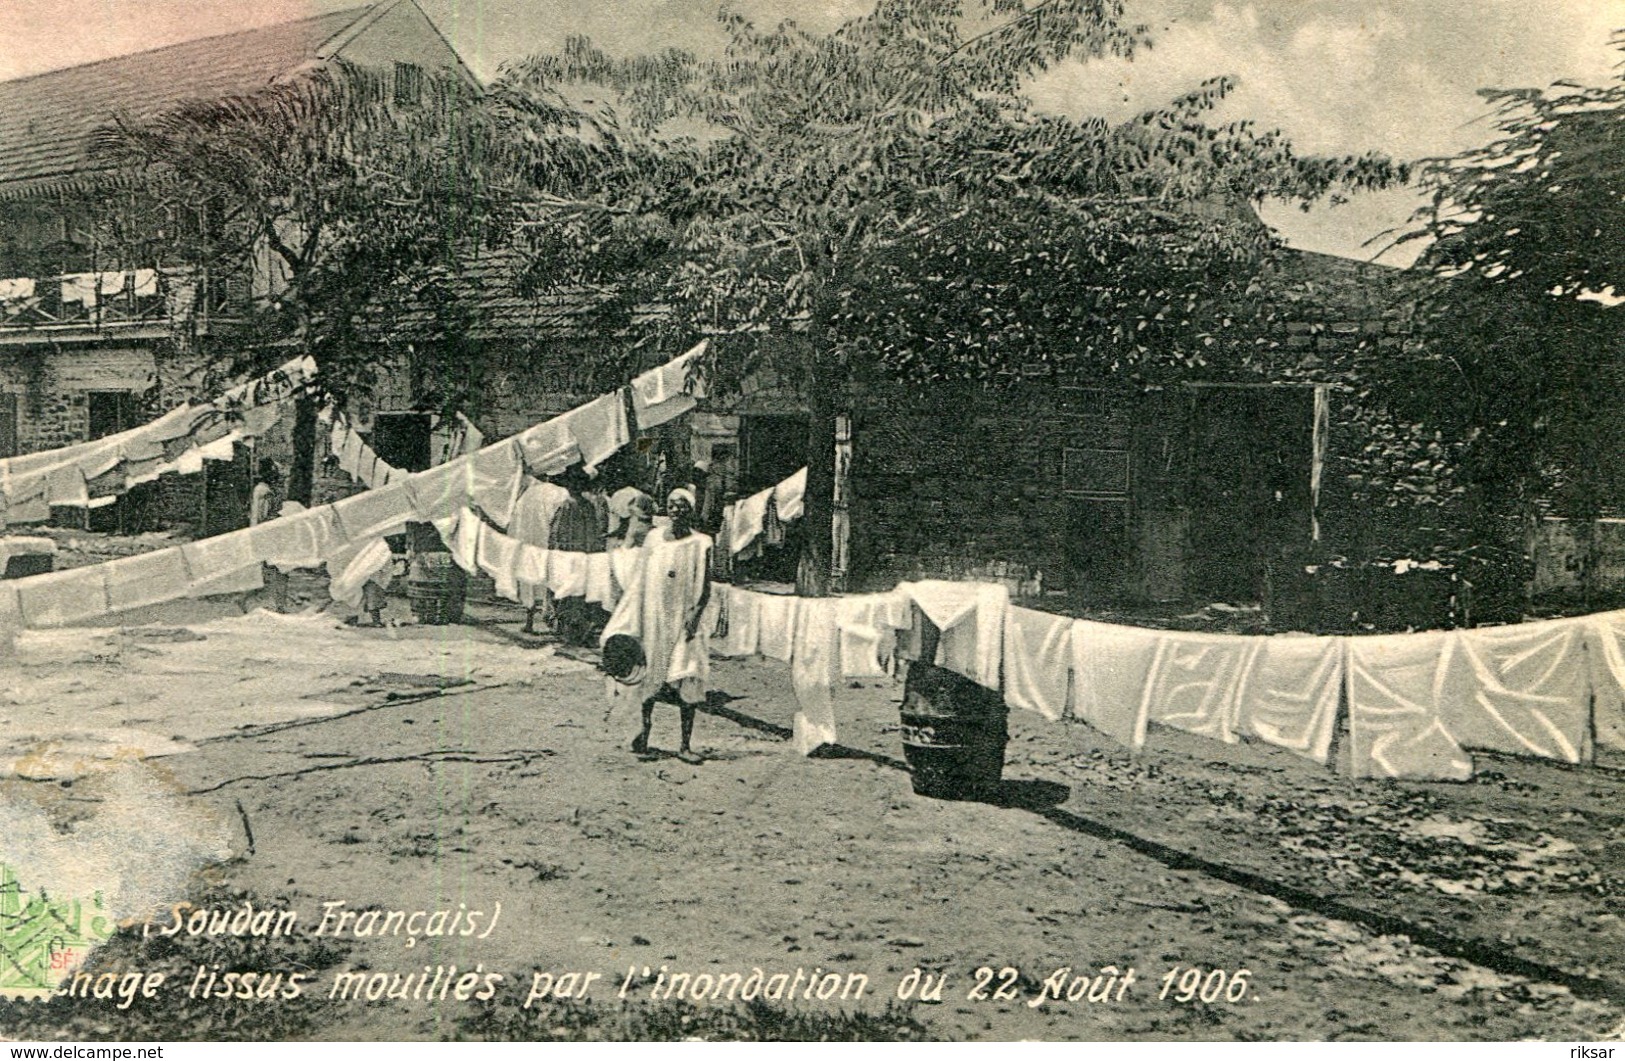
44	936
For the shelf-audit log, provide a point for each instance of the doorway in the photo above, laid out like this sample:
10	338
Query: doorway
1248	496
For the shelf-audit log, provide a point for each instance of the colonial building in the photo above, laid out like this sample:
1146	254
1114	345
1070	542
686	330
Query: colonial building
104	322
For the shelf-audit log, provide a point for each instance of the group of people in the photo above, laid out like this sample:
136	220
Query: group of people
664	596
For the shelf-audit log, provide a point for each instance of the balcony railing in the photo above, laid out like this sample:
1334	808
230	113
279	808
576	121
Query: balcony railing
116	301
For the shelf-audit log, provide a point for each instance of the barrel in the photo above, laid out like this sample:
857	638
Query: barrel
482	589
435	589
954	734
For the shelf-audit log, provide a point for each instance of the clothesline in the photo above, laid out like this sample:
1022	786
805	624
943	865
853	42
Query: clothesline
1417	704
92	474
339	533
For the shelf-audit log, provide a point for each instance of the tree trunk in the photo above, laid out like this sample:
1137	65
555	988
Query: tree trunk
301	476
823	406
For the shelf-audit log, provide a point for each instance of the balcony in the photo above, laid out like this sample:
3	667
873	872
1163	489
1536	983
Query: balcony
135	303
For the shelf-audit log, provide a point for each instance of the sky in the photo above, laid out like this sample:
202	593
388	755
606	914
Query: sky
1338	76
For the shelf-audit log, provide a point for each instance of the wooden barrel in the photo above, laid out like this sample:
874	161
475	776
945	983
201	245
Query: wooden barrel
482	589
954	734
436	588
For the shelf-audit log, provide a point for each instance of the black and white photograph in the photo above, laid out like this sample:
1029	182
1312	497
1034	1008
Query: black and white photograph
1090	521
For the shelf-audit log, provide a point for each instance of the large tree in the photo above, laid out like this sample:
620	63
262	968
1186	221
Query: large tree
1523	357
884	198
355	200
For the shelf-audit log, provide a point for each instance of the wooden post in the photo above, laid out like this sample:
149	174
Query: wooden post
840	522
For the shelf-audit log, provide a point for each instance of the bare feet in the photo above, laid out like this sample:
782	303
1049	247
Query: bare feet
640	744
690	757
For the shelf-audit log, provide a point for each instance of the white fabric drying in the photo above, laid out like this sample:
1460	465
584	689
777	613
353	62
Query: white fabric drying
63	597
1525	691
1396	685
1605	657
869	625
663	394
970	616
814	670
749	520
776	625
1111	678
599	429
549	447
1037	661
373	562
1290	696
742	613
789	497
1196	680
149	578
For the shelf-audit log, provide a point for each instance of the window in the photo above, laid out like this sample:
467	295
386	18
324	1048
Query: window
111	412
408	83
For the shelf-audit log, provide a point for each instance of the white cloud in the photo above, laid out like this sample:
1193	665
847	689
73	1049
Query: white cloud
1397	76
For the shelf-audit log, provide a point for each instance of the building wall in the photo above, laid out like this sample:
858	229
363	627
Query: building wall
967	481
53	385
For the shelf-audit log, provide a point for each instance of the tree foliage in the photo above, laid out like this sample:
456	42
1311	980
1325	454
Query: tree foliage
886	198
1522	362
364	201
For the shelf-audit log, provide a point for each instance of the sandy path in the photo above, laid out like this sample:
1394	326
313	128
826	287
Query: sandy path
757	858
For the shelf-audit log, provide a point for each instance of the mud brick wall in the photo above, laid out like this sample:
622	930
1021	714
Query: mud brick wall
957	481
961	482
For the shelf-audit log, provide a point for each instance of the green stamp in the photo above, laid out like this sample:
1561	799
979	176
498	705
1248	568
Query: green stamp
44	936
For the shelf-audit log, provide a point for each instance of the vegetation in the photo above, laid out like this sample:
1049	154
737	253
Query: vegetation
884	199
1523	358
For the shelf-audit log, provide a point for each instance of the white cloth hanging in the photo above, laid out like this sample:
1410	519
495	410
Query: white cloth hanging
664	393
1526	691
789	497
1604	635
970	616
1196	680
373	562
1396	685
1111	678
1037	661
814	670
1289	698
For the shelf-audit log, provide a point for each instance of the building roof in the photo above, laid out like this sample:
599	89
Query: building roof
488	284
46	120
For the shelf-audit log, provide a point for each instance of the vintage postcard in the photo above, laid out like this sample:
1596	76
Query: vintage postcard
854	520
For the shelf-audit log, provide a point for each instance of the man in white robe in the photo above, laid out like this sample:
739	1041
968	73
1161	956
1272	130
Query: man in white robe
661	607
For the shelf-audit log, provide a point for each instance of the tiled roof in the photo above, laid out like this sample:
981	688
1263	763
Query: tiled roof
488	285
46	120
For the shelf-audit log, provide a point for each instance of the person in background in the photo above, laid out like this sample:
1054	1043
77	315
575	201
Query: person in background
264	505
578	526
707	489
632	514
531	524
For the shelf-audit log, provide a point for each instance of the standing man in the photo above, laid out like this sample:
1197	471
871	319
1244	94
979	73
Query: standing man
264	505
532	524
662	609
578	526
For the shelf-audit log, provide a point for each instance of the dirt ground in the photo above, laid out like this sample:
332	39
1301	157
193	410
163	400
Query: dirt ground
459	768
